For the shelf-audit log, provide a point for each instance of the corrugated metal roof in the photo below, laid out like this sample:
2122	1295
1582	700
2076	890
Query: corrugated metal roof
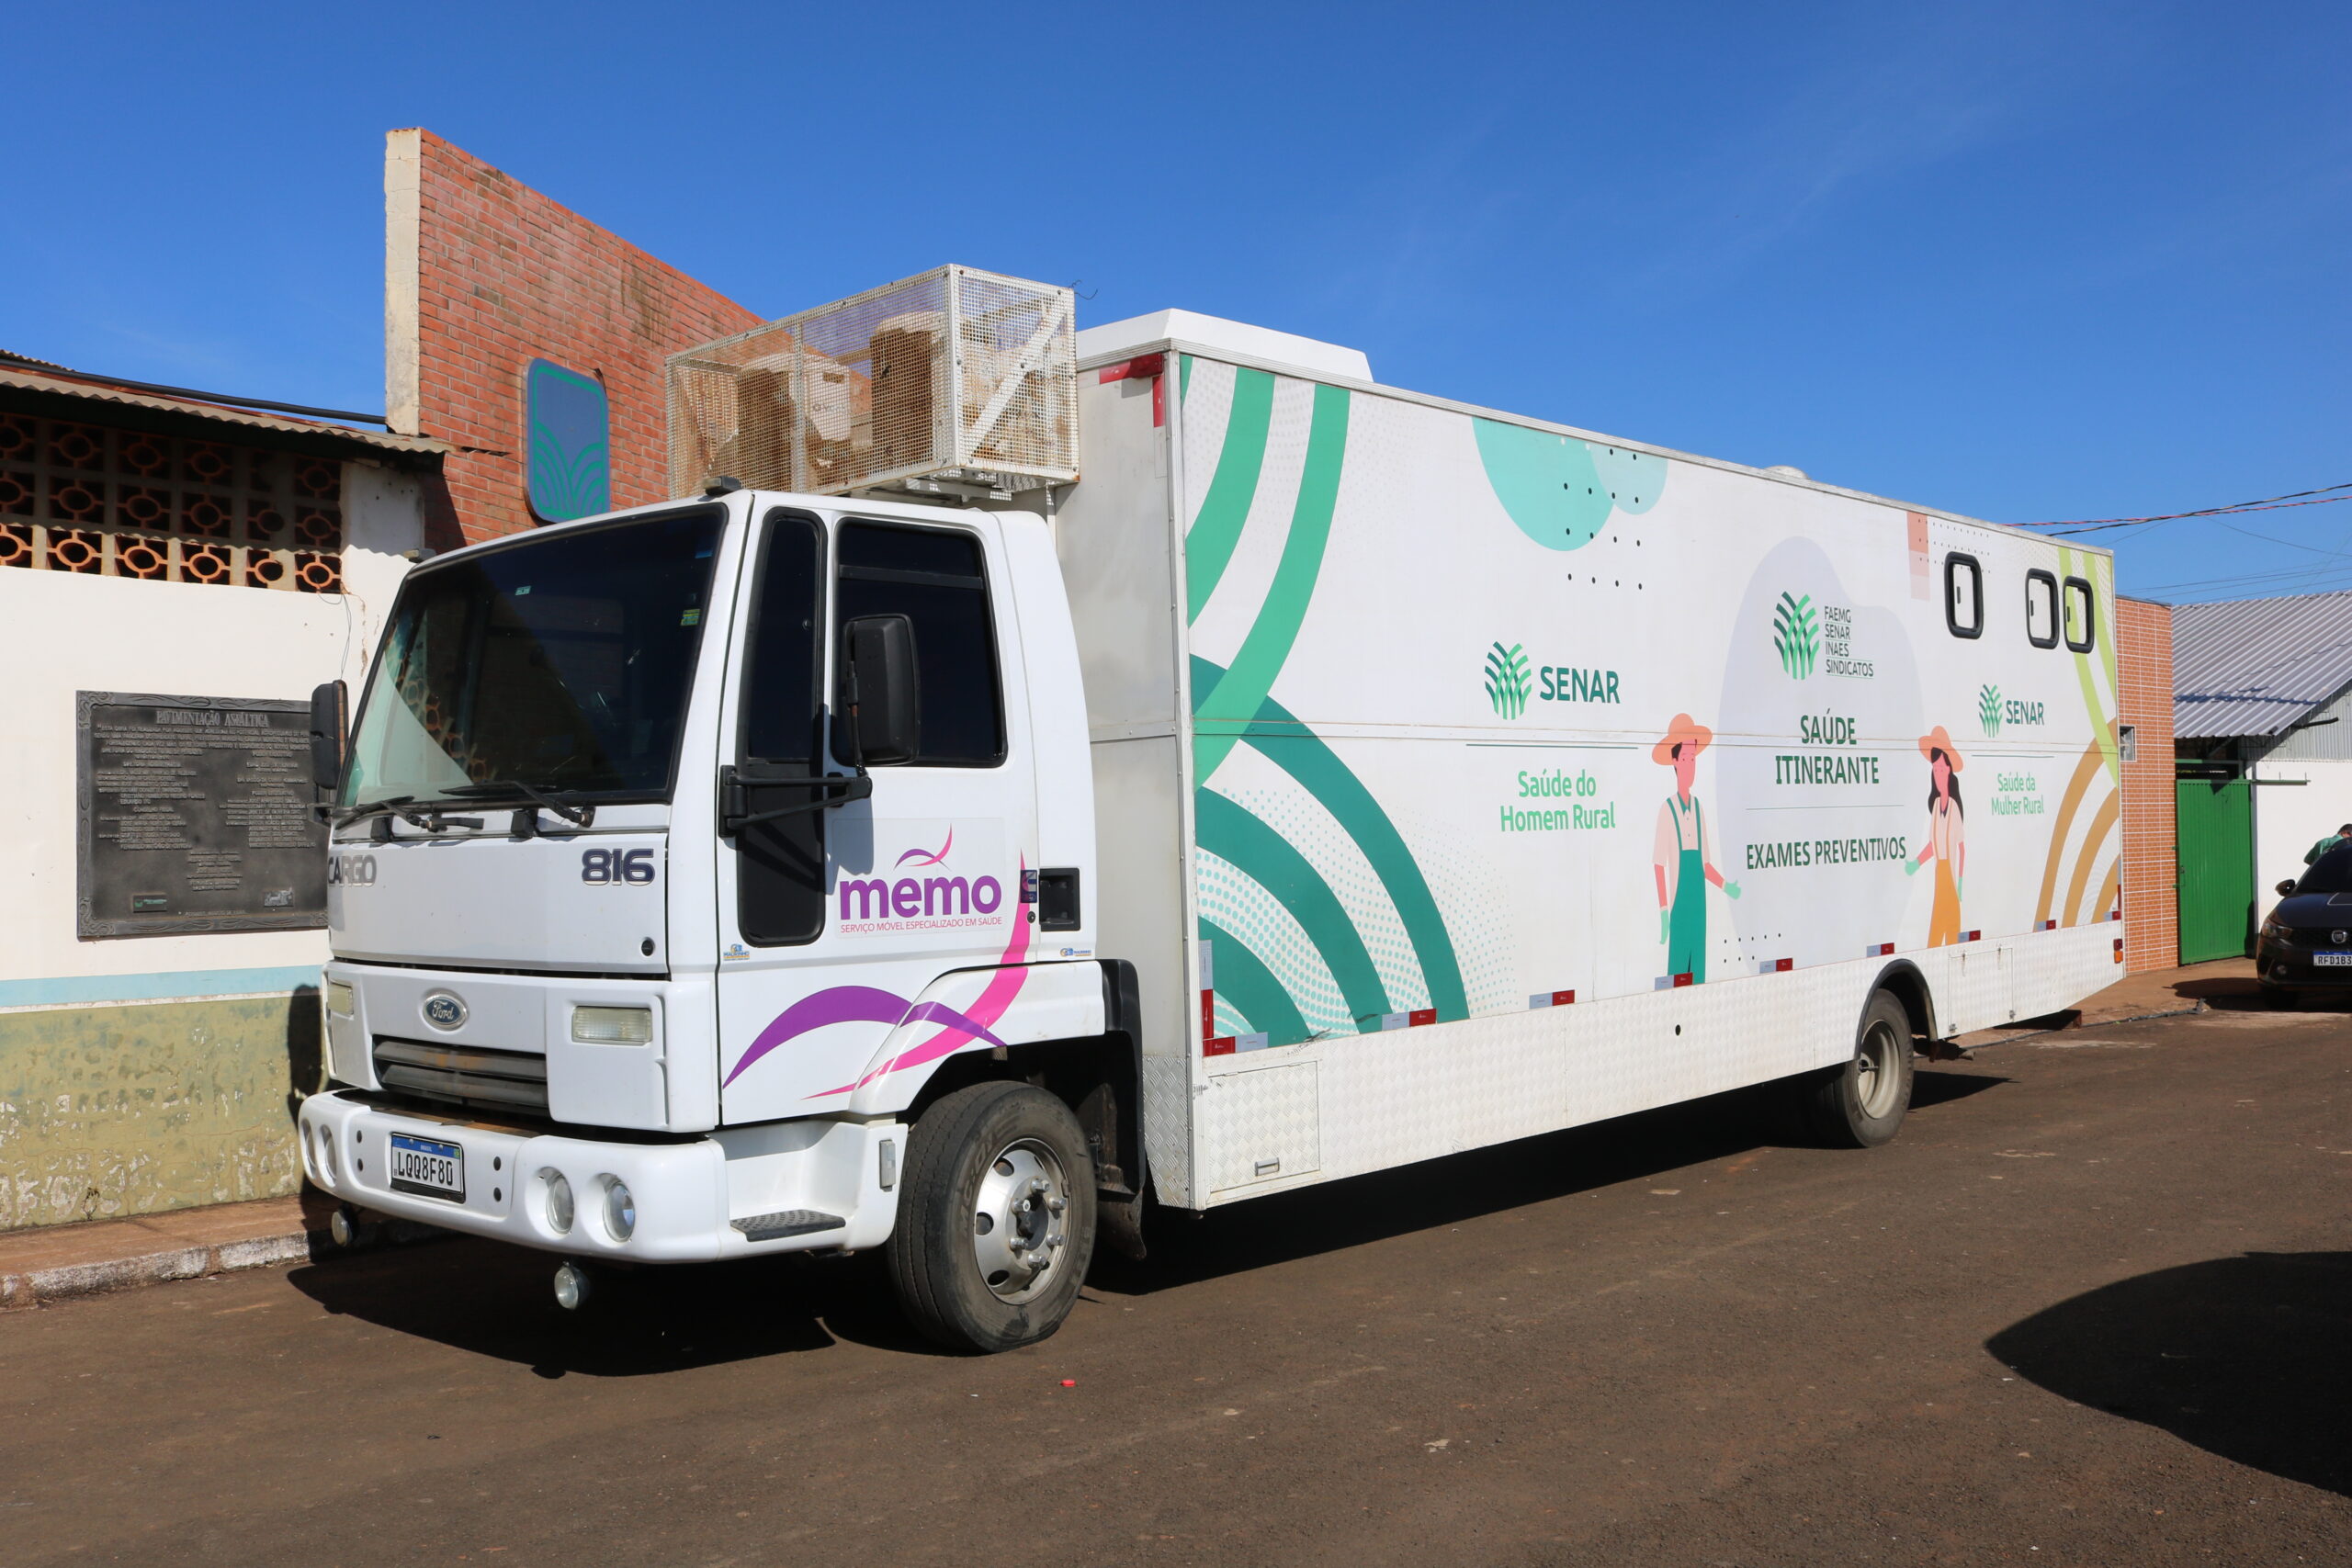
72	385
2256	666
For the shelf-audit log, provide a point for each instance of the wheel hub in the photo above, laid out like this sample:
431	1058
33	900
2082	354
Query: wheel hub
1020	1220
1876	1070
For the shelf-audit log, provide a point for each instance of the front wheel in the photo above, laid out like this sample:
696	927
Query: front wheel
1860	1104
996	1218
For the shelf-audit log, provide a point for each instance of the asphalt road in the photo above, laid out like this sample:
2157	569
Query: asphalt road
2093	1306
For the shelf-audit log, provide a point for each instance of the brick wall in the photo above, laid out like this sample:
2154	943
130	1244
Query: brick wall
2143	669
482	275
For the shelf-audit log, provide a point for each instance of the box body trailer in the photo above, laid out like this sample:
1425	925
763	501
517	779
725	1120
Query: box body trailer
1331	778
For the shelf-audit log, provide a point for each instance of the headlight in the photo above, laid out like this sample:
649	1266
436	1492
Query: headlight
2274	930
326	1156
620	1208
338	999
613	1026
559	1201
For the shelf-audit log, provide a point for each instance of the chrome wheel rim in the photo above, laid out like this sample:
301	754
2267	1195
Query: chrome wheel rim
1020	1220
1877	1070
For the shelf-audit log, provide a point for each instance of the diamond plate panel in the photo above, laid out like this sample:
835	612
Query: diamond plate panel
1260	1128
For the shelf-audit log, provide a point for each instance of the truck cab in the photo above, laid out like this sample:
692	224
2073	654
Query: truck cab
715	879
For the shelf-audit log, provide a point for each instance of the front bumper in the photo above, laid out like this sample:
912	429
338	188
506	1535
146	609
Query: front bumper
687	1194
2290	968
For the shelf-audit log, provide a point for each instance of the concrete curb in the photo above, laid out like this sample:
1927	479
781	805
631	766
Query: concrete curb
41	1286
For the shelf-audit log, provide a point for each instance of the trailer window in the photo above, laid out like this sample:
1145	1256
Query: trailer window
2081	635
1963	595
936	579
2040	609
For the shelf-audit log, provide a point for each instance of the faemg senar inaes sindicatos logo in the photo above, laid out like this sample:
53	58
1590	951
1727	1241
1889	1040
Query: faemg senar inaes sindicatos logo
1797	634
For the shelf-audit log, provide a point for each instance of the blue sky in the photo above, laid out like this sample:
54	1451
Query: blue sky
2025	262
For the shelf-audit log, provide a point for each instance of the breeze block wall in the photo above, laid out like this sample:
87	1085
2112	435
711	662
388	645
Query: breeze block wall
482	274
2144	669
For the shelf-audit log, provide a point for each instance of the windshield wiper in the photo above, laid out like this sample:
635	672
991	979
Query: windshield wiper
397	805
579	815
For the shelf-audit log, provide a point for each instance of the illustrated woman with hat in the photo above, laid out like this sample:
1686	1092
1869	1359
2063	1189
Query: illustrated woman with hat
1946	842
1682	855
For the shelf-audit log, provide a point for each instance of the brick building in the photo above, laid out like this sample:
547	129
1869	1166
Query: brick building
2143	671
482	277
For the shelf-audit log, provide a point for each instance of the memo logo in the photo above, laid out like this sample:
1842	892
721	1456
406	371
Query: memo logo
1797	634
1507	679
1988	709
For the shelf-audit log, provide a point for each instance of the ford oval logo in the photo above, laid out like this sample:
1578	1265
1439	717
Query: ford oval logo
443	1011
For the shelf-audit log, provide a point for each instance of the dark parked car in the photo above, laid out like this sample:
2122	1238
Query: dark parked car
2306	944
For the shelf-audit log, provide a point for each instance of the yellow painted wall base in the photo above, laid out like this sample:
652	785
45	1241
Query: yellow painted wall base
113	1111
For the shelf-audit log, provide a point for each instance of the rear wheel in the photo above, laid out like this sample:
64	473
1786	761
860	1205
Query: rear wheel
996	1218
1861	1104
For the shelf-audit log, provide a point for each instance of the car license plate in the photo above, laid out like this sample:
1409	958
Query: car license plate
2333	960
428	1168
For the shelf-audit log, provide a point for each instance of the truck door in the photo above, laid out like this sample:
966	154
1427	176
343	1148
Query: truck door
834	920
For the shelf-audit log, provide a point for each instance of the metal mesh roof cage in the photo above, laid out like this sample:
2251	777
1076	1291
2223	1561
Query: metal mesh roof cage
956	380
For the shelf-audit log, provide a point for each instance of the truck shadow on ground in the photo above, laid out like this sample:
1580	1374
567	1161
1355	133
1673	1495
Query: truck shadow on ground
2249	1357
496	1301
1460	1188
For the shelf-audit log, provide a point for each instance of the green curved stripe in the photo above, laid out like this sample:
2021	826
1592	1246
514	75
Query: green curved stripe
1243	979
1208	544
1229	831
1297	750
1247	680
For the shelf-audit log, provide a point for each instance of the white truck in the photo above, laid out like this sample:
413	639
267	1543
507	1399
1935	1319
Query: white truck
1331	778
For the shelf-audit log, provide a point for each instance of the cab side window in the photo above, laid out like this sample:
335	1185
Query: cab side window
937	579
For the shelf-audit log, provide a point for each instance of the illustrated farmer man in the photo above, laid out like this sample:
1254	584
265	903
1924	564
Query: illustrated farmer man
1682	856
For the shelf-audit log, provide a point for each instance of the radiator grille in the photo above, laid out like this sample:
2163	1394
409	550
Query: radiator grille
467	1074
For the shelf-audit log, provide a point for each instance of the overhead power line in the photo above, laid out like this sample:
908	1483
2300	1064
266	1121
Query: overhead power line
2325	495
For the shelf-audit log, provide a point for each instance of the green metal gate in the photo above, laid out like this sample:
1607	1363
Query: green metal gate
2216	857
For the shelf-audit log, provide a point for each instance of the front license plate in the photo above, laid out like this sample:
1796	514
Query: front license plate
2333	960
428	1168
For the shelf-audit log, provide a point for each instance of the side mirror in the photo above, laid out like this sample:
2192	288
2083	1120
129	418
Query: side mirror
881	702
2287	888
329	726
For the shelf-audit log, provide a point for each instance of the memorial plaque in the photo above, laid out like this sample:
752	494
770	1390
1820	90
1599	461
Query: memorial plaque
195	817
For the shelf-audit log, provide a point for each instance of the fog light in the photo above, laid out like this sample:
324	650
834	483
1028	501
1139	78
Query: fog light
613	1026
571	1285
620	1208
559	1201
338	999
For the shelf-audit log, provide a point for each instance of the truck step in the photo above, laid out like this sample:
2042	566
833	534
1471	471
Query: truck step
784	1223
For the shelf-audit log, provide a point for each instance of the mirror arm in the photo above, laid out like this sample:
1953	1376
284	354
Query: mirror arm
857	787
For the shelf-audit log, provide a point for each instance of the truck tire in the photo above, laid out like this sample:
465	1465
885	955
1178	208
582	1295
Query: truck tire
996	1218
1859	1104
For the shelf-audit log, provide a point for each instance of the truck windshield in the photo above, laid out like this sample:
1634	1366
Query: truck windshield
563	664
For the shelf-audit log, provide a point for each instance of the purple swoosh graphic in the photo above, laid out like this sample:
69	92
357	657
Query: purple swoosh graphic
925	857
852	1004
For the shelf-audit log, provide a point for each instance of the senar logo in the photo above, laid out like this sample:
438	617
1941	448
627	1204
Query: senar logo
1988	709
1508	681
1797	634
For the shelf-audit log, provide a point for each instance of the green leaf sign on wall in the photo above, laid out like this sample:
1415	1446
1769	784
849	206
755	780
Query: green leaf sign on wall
570	466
